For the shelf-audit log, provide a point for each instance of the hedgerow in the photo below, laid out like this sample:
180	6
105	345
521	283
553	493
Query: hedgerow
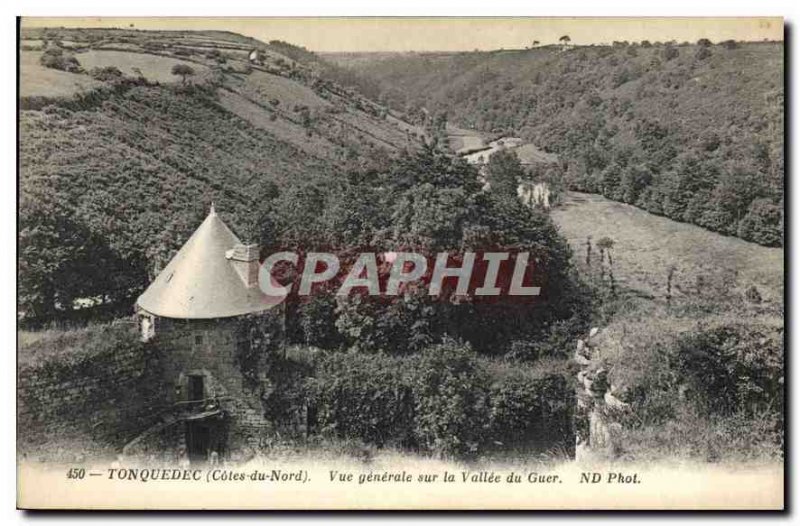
444	401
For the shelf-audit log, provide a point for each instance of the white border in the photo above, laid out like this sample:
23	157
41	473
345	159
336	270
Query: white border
785	8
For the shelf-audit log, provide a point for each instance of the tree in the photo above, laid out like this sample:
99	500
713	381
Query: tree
426	202
535	43
702	53
564	39
183	70
670	52
605	245
671	269
62	260
763	223
634	180
504	173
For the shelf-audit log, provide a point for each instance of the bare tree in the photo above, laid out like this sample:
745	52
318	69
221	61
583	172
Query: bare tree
588	251
670	275
605	245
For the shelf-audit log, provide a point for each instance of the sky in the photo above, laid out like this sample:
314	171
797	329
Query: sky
450	34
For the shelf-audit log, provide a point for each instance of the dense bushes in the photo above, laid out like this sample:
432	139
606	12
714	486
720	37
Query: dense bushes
763	223
74	351
424	202
444	400
451	402
532	406
364	397
716	390
732	369
95	384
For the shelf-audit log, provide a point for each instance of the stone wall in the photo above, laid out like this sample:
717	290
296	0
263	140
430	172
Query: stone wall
597	430
98	400
212	349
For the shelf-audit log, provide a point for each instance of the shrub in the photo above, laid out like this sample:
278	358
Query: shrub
317	318
670	52
763	223
451	400
55	58
529	406
555	342
404	325
732	369
752	295
687	387
257	340
106	74
87	363
287	392
443	401
702	53
363	397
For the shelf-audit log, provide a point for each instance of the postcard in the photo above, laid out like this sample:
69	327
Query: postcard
401	263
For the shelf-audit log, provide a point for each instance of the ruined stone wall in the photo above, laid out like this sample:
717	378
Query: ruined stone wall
597	430
97	401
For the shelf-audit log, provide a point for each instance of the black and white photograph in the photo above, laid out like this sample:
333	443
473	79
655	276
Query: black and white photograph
404	263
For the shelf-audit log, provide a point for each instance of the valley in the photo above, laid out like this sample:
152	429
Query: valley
661	256
691	131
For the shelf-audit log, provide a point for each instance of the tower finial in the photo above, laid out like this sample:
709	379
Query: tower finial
212	212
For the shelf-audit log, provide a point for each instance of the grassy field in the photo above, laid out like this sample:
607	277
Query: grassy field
314	122
645	245
38	81
284	129
153	67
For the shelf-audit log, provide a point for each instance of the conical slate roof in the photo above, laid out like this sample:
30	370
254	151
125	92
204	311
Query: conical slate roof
201	283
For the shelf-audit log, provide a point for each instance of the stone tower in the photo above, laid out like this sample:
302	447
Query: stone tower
200	312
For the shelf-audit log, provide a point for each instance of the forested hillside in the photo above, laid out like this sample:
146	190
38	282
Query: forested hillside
126	137
691	132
